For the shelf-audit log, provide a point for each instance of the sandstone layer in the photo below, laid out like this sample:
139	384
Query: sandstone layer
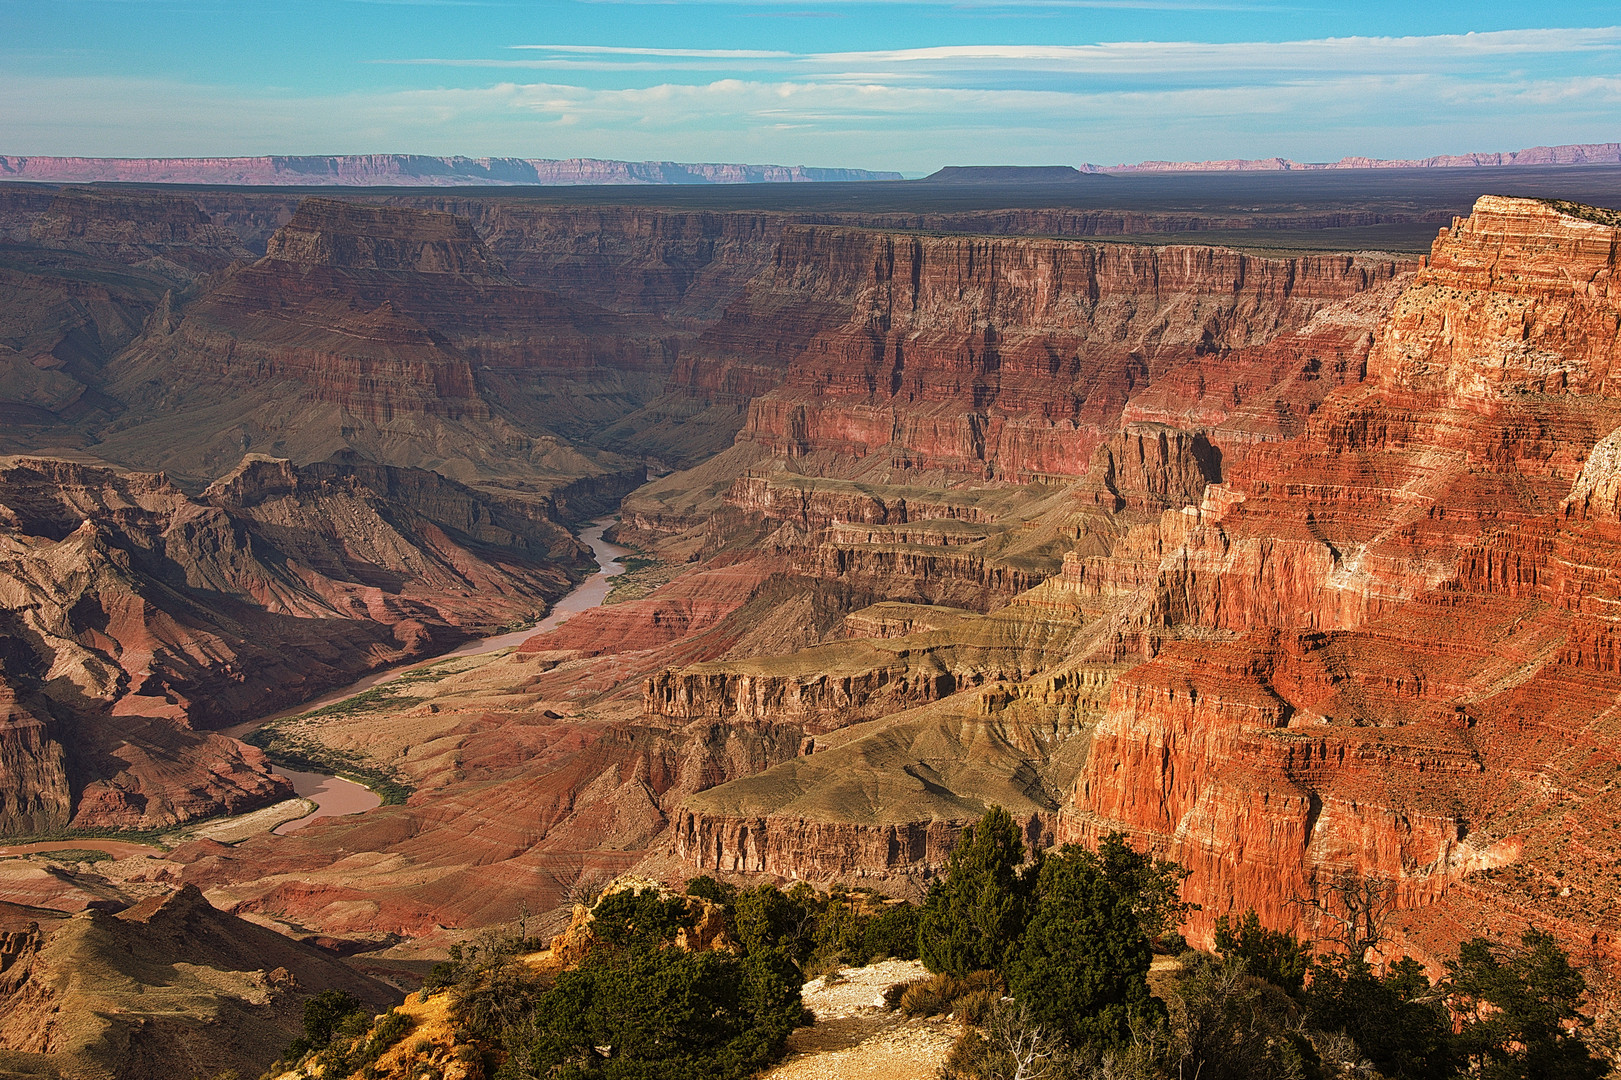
392	332
410	170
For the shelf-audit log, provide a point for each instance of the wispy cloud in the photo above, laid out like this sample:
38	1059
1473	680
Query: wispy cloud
865	123
907	108
1343	52
693	54
1174	60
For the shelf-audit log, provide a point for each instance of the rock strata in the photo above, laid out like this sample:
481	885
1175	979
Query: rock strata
137	616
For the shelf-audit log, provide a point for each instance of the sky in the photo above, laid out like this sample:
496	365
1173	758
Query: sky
889	85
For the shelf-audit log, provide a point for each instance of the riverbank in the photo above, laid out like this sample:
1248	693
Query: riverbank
342	781
327	793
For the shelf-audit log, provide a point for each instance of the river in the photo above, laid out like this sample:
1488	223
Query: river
334	796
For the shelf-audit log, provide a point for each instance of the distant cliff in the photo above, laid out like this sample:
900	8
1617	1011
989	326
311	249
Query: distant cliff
409	170
1573	154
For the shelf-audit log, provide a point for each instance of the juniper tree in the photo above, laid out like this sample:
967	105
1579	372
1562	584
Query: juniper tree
1082	965
973	915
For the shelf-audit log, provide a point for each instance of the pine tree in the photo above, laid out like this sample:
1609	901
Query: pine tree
973	915
1274	955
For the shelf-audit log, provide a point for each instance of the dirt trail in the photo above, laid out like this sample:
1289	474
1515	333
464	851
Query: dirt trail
856	1038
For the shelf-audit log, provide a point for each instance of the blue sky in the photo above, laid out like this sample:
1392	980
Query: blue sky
907	86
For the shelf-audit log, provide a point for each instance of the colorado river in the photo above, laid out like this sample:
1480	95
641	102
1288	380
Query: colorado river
334	796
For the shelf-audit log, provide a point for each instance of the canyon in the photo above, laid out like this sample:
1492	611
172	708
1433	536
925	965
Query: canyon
1296	566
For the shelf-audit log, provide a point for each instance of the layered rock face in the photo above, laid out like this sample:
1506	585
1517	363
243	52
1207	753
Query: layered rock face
85	274
1361	629
167	233
922	379
1010	359
391	331
412	170
1417	592
136	615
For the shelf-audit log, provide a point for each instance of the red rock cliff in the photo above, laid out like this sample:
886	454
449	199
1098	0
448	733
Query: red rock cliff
1415	606
1004	358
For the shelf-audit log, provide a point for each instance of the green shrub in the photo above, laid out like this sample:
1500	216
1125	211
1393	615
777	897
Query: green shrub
1082	964
1398	1021
891	933
651	1012
324	1015
1519	1010
1274	955
765	917
972	916
707	888
1231	1025
639	917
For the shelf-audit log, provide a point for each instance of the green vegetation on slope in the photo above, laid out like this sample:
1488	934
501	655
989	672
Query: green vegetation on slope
1081	1008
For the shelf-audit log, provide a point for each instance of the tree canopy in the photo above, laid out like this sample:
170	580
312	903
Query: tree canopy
1082	965
974	914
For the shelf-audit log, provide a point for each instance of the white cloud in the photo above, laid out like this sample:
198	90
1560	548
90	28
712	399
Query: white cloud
1360	54
866	123
625	50
910	109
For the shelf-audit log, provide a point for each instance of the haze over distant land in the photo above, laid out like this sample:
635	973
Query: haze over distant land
1575	154
409	170
417	170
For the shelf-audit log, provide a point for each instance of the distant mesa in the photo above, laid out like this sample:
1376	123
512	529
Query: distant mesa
410	170
1005	174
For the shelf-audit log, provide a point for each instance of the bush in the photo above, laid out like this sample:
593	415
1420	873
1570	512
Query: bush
707	888
1274	955
765	917
639	916
660	1012
1082	965
891	933
324	1015
972	916
975	1007
1231	1025
1519	1010
939	994
1398	1021
491	990
1010	1046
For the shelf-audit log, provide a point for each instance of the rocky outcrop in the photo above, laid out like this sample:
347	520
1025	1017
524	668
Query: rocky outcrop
1385	609
34	793
354	331
170	978
167	233
135	615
